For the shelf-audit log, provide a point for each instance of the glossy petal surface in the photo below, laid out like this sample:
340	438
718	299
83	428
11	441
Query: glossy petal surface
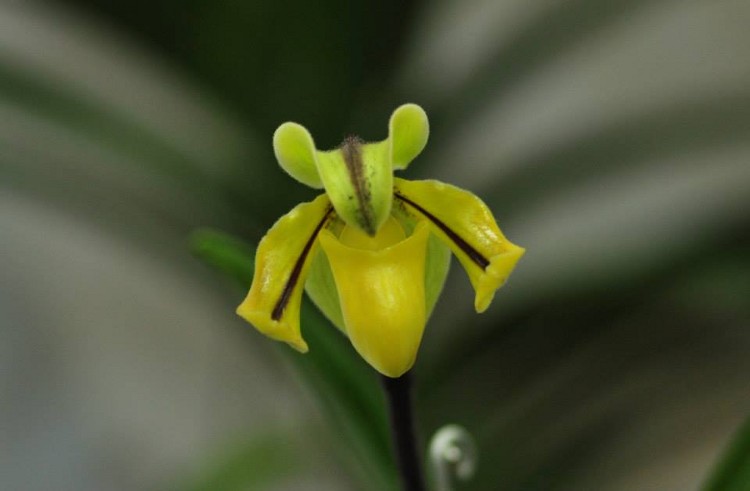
282	262
465	223
382	297
437	260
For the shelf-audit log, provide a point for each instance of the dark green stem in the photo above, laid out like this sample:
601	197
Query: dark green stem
398	394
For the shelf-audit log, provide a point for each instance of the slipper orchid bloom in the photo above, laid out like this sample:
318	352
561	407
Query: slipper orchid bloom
373	250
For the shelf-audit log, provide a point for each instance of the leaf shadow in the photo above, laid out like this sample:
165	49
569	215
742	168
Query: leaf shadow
681	128
557	30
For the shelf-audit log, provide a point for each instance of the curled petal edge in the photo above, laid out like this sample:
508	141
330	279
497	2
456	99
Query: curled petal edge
282	263
467	226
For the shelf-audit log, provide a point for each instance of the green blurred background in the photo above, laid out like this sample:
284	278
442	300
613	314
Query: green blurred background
610	138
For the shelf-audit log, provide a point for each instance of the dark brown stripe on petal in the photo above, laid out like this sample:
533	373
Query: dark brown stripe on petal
351	150
286	293
473	254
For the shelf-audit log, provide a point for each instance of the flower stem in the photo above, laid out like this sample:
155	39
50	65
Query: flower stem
398	394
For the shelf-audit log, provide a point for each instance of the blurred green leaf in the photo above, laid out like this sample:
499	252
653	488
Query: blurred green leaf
733	470
344	385
224	253
252	466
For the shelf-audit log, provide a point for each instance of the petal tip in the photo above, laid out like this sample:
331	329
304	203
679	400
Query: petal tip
482	301
277	330
299	344
496	274
394	372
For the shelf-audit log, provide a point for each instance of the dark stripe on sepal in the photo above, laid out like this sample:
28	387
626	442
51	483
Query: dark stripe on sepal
286	293
351	150
467	249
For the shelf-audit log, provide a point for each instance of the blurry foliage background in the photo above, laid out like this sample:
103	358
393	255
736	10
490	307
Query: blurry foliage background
611	139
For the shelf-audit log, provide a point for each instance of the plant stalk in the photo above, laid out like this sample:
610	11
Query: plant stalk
399	395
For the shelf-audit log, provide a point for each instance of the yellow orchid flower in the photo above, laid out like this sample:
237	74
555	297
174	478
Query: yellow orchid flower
373	251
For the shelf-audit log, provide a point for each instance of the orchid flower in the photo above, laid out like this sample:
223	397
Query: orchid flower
373	250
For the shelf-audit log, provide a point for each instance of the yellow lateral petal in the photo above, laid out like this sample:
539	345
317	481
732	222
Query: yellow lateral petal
281	265
465	223
382	298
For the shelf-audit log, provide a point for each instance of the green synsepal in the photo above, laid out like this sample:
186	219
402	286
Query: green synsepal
436	271
321	288
438	259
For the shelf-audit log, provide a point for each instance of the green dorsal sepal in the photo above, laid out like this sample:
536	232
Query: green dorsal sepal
358	178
